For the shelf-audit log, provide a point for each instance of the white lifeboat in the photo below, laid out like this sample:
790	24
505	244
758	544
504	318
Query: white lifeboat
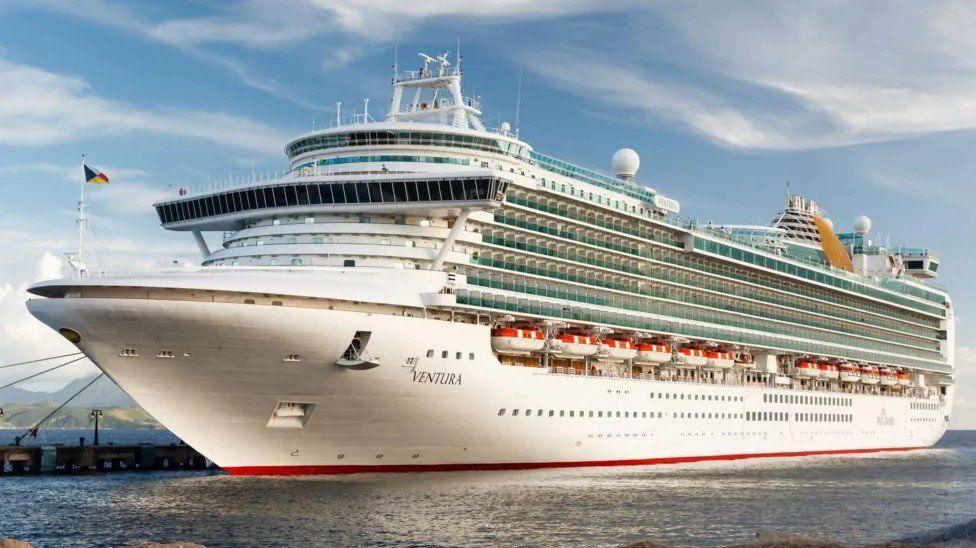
828	371
869	374
888	376
619	349
719	359
849	372
575	345
654	353
510	339
689	355
807	369
903	378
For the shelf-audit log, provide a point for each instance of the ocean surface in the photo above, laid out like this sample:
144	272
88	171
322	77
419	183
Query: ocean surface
853	499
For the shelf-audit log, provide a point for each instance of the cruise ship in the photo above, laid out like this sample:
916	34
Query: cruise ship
421	292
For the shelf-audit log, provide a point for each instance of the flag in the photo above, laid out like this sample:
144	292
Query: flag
92	176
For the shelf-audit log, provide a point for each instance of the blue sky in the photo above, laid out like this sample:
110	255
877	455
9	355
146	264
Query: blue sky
868	108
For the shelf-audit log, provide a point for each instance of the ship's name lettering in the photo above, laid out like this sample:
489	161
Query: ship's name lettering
436	377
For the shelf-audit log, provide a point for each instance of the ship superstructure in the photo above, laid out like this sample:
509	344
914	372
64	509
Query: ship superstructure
423	292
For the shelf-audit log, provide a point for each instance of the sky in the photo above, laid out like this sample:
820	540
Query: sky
868	108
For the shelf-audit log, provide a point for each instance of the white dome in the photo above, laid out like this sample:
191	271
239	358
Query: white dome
862	225
625	163
505	126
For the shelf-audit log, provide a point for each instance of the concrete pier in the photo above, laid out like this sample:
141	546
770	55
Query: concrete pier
64	459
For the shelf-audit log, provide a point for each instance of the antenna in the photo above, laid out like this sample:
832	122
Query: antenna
518	101
365	110
338	113
396	60
457	55
787	188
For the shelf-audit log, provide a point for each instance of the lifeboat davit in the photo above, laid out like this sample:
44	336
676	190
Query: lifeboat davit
807	369
719	359
828	371
654	353
690	355
869	374
888	376
849	372
510	339
575	345
618	349
903	378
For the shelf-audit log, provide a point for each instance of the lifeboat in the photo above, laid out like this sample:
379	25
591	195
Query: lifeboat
888	376
510	339
744	360
575	345
618	349
869	374
849	372
690	355
807	369
828	371
654	353
719	359
903	378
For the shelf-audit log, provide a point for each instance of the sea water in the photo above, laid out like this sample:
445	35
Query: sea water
853	499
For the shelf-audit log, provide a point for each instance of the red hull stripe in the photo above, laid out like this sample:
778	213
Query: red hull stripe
323	469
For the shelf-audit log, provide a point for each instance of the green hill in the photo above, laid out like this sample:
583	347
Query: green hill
26	415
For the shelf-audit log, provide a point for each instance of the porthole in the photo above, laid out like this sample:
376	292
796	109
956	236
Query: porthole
70	334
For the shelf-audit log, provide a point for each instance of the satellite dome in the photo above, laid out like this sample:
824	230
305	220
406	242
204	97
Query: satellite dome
505	126
862	225
625	163
830	224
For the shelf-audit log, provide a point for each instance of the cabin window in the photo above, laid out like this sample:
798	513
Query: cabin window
514	412
471	356
501	412
349	263
309	220
444	355
430	353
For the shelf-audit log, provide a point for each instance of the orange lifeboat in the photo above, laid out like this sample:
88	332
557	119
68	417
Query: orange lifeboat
849	372
869	374
828	371
575	345
690	355
654	353
903	378
888	376
719	359
744	360
807	370
510	339
618	349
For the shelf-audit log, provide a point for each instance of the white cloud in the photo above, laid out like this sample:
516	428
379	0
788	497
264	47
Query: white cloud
42	108
33	339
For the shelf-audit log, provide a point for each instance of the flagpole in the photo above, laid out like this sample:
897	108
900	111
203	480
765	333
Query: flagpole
81	219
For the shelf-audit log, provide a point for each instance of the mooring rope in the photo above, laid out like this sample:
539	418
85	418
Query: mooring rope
42	372
39	360
32	431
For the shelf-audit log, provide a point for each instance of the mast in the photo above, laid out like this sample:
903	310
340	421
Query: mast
79	262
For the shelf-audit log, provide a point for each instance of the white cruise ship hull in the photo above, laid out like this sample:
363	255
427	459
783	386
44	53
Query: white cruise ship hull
415	412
